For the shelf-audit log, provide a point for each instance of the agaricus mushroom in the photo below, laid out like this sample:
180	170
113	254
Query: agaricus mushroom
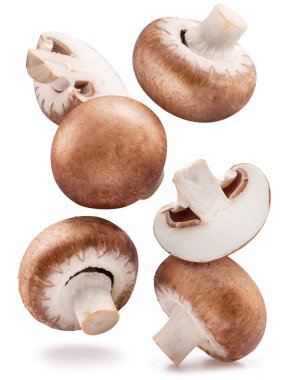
195	70
109	152
213	218
68	72
215	306
78	273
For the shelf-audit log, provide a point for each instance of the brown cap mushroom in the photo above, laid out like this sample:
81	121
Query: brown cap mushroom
78	273
215	306
194	70
109	152
68	72
213	218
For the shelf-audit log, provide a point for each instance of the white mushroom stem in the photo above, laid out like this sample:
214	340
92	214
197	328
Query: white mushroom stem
92	302
179	336
47	67
217	34
200	191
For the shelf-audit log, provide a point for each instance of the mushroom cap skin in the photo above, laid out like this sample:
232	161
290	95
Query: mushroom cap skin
67	72
109	152
226	308
217	219
185	82
62	253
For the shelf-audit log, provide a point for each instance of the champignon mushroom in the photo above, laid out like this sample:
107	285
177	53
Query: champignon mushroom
68	72
194	70
78	273
212	219
215	306
109	152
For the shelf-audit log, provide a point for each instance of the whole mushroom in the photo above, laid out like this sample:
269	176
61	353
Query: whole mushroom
109	152
215	306
68	72
77	274
213	218
196	70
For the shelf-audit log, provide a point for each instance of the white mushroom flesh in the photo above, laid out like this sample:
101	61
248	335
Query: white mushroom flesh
224	224
73	74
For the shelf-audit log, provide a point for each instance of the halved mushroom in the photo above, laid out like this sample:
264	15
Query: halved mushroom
213	218
109	152
68	72
215	306
78	273
195	70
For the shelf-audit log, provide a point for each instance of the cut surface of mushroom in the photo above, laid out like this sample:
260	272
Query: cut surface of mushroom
214	306
68	72
109	152
196	70
77	274
213	218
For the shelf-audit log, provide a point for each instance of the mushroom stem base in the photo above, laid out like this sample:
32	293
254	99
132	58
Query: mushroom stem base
179	336
92	303
217	34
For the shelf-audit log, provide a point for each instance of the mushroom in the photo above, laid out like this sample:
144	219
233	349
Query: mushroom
215	306
109	152
68	72
213	218
78	273
195	70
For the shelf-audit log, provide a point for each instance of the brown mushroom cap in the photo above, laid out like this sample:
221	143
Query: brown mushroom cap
187	84
65	249
109	152
222	296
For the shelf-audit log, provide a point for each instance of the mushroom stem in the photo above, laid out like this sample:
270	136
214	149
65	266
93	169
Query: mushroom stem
200	191
92	302
217	34
179	336
46	67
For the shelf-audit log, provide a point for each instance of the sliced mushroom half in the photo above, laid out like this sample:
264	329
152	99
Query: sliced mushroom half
68	72
213	218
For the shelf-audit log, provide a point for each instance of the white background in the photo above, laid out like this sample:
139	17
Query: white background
30	200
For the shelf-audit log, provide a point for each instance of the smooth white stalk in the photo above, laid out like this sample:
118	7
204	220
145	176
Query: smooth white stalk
200	191
92	302
217	35
179	336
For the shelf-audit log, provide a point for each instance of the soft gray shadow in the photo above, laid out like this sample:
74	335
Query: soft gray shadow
205	365
79	354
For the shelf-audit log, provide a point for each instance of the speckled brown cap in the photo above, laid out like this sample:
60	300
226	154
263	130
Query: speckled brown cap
185	83
223	299
65	250
109	152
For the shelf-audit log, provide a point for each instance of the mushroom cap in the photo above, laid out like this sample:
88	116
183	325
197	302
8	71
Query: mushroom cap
62	251
228	231
101	79
221	297
109	152
187	84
